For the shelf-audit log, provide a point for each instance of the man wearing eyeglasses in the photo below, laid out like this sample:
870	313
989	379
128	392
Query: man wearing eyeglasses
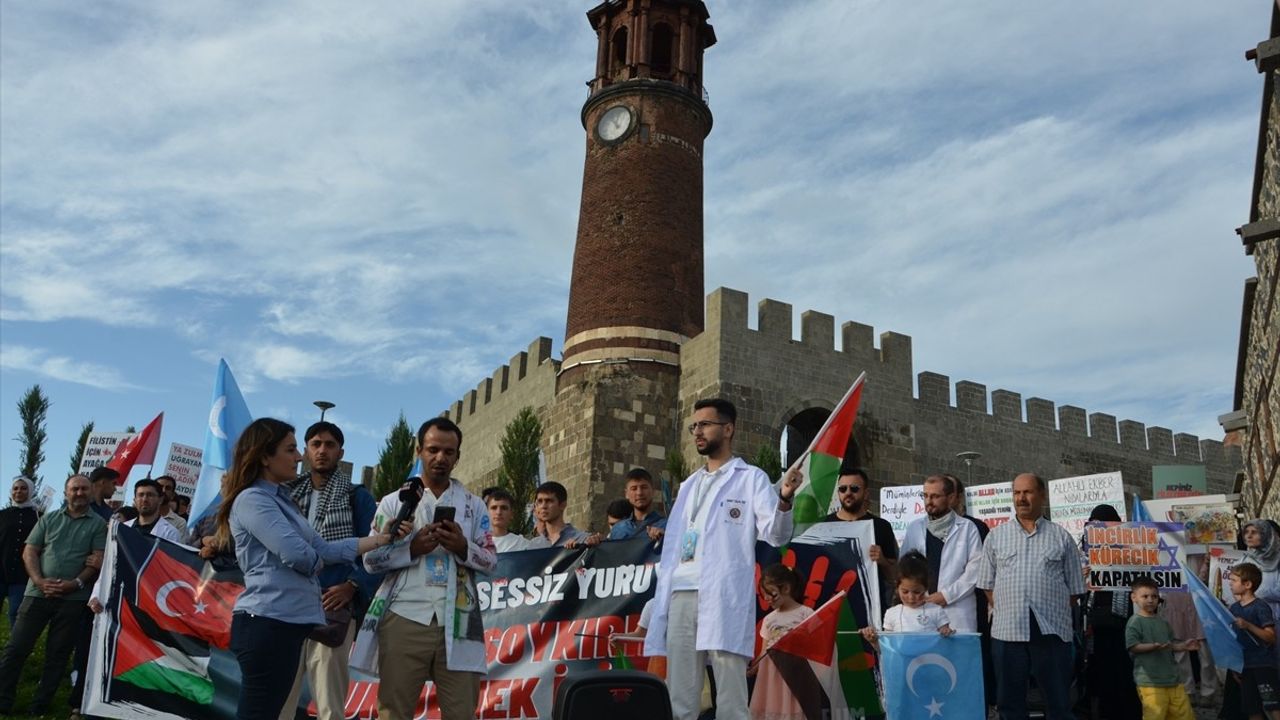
851	491
704	604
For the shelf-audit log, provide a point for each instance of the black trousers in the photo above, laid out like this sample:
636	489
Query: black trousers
268	652
65	619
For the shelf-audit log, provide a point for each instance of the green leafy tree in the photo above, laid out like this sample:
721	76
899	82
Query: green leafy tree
518	469
33	410
676	471
77	455
395	459
768	460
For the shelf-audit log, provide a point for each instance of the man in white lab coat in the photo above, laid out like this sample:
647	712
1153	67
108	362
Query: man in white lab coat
704	609
953	548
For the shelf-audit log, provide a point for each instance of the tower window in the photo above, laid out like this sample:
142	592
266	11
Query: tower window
618	52
661	48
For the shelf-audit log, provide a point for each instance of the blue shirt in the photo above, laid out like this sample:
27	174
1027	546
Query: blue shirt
280	556
629	528
1256	655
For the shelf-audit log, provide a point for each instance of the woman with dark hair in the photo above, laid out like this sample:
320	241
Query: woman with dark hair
1109	670
280	555
16	522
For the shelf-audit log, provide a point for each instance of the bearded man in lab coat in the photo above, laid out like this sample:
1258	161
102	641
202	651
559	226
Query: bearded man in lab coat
953	548
704	605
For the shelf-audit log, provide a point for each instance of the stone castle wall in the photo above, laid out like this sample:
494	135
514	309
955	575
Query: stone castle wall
903	436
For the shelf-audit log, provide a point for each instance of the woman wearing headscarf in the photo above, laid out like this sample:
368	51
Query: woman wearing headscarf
1262	548
1109	672
16	522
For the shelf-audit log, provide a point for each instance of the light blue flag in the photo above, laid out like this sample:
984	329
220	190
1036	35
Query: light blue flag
416	470
228	417
1140	513
928	676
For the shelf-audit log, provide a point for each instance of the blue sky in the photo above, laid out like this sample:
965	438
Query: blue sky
375	203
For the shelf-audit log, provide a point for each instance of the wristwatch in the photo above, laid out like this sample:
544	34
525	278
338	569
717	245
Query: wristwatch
79	584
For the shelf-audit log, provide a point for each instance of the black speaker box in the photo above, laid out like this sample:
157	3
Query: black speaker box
612	694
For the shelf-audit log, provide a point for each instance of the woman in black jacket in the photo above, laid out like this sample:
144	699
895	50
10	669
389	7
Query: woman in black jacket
16	522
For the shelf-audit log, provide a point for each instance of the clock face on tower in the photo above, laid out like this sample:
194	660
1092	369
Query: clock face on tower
614	124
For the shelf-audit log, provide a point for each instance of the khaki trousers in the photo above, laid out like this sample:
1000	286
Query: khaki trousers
326	671
686	666
410	654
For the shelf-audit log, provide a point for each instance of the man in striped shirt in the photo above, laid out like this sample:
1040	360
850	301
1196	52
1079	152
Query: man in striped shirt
1030	571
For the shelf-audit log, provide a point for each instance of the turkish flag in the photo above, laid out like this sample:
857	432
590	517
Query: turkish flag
183	599
139	449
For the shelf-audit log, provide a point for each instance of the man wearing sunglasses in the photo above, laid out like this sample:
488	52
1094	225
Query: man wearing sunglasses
851	491
704	607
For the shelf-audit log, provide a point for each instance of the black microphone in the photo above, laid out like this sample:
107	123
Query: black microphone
410	495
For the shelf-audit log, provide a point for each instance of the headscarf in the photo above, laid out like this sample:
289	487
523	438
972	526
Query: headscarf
31	493
1267	556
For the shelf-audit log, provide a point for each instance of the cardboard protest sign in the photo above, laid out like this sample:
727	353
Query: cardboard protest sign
99	448
184	466
1072	499
1208	524
1221	561
1119	553
992	504
900	505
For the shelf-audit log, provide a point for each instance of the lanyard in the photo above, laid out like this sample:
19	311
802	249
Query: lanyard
706	484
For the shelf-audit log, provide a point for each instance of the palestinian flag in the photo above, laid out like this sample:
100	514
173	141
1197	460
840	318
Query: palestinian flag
178	590
822	460
823	665
148	661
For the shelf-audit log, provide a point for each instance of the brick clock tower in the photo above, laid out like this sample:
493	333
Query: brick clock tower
636	292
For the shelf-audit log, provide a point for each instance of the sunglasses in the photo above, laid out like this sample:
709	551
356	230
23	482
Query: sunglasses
848	489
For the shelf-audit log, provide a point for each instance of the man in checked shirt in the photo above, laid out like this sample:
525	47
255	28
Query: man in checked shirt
1031	572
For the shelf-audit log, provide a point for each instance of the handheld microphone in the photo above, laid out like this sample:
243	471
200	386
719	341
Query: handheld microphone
410	495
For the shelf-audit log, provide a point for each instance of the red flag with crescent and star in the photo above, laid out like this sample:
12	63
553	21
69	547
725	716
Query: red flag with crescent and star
139	449
178	598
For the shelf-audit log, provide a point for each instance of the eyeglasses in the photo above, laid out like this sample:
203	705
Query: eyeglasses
848	489
703	425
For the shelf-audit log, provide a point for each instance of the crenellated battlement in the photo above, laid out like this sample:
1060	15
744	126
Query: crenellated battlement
934	392
728	313
530	366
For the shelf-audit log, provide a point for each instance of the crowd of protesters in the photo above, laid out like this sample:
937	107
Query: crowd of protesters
316	550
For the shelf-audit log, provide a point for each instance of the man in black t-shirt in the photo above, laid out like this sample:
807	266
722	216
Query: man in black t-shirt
851	491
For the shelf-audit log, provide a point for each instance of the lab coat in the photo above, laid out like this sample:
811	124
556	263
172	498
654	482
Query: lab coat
958	571
742	510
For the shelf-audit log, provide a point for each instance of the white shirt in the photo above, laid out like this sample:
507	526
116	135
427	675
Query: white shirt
958	569
926	618
703	485
512	542
422	597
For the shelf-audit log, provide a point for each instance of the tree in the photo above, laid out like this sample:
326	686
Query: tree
518	469
395	459
33	409
768	460
77	455
677	471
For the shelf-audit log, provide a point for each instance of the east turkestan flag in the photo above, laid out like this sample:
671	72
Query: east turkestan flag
819	670
821	462
228	417
931	677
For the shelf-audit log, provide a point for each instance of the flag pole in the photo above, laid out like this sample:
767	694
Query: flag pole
827	423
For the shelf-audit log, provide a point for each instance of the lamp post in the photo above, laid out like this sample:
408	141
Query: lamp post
324	406
968	456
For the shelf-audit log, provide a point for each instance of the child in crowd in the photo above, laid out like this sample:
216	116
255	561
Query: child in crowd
1149	639
771	697
914	614
1256	632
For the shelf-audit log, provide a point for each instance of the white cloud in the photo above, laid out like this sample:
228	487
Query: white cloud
57	367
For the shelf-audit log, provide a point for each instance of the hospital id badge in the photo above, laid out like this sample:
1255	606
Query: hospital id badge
437	570
689	545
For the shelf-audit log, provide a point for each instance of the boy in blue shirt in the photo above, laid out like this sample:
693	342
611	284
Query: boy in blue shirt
1256	632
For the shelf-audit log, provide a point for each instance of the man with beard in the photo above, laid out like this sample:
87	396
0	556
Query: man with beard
432	629
1031	570
852	493
62	555
954	552
169	502
102	485
337	510
705	600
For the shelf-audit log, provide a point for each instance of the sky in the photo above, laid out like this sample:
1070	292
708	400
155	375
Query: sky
375	204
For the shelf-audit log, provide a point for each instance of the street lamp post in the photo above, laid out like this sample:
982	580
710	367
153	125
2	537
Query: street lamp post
324	406
968	456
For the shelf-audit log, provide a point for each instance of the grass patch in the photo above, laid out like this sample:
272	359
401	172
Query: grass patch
31	671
